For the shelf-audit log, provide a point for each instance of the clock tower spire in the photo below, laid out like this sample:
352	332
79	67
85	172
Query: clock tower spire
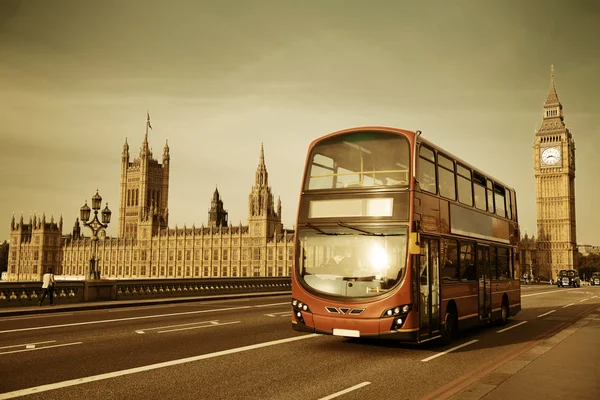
554	167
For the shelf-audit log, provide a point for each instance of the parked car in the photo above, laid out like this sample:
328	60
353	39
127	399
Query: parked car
595	279
568	277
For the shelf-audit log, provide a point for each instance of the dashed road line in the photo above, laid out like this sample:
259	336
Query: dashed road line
26	344
511	327
341	392
449	350
568	305
581	301
38	348
543	315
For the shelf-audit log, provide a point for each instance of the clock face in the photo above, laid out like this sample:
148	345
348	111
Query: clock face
551	156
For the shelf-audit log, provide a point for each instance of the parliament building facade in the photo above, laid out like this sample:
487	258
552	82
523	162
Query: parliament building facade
146	247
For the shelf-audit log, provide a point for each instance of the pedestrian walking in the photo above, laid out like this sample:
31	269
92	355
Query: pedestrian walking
48	286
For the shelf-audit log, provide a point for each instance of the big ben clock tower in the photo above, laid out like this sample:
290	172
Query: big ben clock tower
554	166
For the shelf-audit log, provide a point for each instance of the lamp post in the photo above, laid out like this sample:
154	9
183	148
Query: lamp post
96	226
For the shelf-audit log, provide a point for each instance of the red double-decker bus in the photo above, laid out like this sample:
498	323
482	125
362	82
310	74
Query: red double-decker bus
396	237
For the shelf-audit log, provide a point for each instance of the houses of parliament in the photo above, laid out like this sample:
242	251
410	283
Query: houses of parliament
146	247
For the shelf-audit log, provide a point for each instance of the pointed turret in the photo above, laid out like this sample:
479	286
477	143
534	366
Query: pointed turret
12	223
166	155
125	152
553	110
279	207
60	223
552	99
217	215
262	177
76	229
145	150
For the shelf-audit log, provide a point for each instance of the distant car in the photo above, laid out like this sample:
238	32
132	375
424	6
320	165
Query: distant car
595	279
568	277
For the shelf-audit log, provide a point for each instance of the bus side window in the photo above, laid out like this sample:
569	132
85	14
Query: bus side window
465	188
503	267
493	263
468	271
426	170
447	186
490	196
449	261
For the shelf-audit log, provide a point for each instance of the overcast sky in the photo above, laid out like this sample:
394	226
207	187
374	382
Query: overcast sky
220	77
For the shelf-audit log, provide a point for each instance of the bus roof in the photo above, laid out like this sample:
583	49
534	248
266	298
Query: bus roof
410	133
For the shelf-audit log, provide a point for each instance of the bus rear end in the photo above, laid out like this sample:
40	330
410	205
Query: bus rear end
352	274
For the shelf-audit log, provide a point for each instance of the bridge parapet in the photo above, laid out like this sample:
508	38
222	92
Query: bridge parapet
14	294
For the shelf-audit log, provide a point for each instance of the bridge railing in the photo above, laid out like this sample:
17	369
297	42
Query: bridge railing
14	294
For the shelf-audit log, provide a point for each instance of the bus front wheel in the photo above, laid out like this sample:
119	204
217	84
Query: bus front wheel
450	329
504	312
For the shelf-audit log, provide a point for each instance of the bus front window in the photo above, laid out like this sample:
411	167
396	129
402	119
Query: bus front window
359	159
346	262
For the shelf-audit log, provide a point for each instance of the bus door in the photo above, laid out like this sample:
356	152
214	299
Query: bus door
485	284
429	288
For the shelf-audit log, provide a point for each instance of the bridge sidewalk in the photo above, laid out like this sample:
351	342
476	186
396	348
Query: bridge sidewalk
96	305
564	366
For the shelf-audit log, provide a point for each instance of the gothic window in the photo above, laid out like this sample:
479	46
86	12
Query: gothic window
235	255
215	254
179	271
244	271
171	255
234	271
224	271
126	270
256	254
197	271
244	254
162	271
205	271
225	254
279	271
179	255
188	255
256	271
280	254
290	253
270	255
215	271
137	196
205	255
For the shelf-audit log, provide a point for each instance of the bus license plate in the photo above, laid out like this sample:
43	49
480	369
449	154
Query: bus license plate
346	332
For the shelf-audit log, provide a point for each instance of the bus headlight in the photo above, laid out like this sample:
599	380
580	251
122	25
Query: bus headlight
399	313
298	307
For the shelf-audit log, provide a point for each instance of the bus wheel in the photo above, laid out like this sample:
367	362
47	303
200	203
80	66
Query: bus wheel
450	329
504	312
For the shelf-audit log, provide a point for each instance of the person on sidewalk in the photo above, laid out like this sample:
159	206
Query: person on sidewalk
48	286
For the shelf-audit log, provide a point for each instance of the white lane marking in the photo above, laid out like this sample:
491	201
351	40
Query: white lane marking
37	348
30	346
200	326
26	344
341	392
178	325
510	327
581	301
104	321
285	313
544	314
35	316
94	378
134	318
537	294
594	297
449	350
273	304
568	305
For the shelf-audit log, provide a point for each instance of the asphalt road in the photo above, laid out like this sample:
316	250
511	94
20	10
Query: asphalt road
246	349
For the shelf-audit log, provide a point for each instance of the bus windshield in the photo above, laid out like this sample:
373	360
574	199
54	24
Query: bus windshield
359	159
352	261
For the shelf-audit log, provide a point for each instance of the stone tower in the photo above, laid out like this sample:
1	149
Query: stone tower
217	216
263	219
554	166
144	190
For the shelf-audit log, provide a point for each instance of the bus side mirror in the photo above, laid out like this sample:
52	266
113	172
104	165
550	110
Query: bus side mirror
414	245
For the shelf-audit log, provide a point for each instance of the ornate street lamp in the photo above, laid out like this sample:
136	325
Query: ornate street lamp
96	226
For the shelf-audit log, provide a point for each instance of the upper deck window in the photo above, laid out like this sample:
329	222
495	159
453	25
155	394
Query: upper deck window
359	159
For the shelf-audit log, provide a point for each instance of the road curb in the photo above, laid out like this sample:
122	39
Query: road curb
47	309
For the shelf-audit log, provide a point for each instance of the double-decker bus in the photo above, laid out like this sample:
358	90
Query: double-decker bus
396	237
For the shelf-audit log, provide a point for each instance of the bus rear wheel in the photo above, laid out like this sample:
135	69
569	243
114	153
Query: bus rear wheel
450	329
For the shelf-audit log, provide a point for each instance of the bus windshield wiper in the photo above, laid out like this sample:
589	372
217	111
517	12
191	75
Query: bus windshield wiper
308	224
367	232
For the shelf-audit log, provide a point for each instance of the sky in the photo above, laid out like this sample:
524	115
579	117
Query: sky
219	78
